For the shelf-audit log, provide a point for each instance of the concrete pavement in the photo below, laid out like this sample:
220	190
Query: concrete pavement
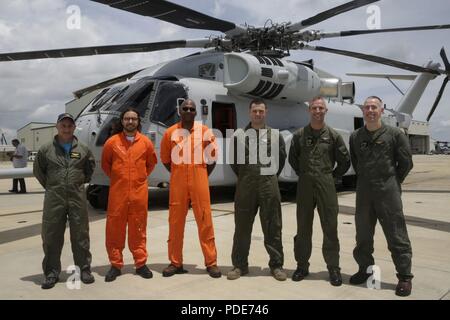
426	200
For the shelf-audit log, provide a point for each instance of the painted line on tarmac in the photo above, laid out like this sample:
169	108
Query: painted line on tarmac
18	213
414	221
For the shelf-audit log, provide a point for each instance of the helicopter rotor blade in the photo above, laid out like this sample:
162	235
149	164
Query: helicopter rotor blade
359	32
328	14
445	60
444	83
438	98
171	12
376	59
99	50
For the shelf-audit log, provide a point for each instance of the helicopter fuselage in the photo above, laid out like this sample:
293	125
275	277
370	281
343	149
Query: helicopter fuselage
155	93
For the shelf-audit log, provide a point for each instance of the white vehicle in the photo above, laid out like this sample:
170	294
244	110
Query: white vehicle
245	63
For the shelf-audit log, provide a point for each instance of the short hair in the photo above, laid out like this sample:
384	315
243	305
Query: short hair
310	102
376	98
257	101
15	140
128	109
185	102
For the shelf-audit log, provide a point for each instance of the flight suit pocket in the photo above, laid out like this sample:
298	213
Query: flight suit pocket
383	150
324	147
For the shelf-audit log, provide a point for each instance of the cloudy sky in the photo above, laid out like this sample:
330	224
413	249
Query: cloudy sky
37	90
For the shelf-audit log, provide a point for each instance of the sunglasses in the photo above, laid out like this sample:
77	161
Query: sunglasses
186	109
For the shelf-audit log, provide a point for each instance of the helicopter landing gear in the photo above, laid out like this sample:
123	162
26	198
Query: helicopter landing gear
97	196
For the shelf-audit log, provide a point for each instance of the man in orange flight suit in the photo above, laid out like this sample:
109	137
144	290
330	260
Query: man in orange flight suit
188	150
128	159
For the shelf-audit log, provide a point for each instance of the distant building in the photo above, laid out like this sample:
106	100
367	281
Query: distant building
35	134
419	137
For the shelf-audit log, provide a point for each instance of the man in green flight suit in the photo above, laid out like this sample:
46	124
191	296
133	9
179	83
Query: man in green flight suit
62	167
259	157
382	159
314	151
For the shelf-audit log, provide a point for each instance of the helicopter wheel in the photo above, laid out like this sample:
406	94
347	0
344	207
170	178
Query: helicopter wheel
97	196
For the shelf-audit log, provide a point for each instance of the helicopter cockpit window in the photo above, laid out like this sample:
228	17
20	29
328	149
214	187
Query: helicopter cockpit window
112	103
138	99
110	128
165	106
94	105
135	95
103	97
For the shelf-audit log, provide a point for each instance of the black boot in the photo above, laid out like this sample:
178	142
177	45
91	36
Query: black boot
87	277
112	274
404	287
144	272
360	277
335	277
299	274
49	281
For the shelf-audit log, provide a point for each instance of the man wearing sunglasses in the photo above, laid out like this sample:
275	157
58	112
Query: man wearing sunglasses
188	151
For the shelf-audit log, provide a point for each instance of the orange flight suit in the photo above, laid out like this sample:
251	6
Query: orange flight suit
127	164
187	155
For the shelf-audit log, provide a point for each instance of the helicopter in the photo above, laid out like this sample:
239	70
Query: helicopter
242	63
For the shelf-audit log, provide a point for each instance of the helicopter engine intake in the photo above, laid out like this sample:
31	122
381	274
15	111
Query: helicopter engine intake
272	78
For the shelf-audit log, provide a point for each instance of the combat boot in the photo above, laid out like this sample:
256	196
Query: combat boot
112	274
278	273
49	281
214	271
144	272
360	277
335	277
172	269
299	274
87	277
236	273
404	287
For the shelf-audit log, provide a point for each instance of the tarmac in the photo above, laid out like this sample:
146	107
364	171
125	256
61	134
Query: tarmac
426	200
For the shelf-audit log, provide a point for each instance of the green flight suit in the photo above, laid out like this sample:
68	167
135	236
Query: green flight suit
63	176
382	160
257	187
313	154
